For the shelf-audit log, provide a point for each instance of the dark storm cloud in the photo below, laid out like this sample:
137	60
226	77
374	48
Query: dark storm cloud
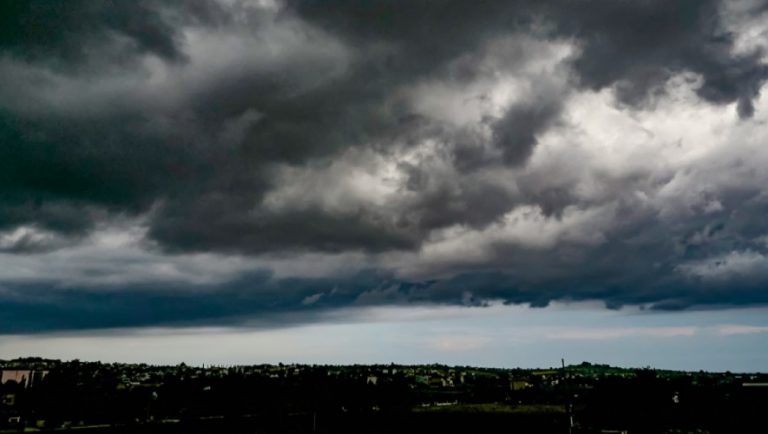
515	133
52	171
124	161
185	113
650	40
444	202
635	45
77	33
262	301
268	232
254	298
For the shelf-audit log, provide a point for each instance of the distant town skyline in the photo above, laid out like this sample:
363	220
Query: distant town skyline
498	183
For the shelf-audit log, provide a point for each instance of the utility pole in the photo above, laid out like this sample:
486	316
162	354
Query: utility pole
569	403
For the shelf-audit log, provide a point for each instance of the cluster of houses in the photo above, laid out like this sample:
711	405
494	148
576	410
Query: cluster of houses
30	372
440	384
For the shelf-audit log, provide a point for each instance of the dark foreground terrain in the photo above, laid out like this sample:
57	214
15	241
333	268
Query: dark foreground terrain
39	395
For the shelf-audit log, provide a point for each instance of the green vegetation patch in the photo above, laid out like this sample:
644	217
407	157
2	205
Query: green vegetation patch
493	407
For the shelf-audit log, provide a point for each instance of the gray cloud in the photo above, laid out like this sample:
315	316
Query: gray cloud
434	141
75	34
649	40
309	105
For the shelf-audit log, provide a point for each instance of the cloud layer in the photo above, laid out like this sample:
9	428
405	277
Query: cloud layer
224	161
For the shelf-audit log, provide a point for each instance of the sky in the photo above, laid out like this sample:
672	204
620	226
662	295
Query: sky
495	183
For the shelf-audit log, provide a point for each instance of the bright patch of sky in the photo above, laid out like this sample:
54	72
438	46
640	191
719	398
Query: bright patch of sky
500	336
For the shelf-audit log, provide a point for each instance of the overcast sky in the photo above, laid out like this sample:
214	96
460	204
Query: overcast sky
479	182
